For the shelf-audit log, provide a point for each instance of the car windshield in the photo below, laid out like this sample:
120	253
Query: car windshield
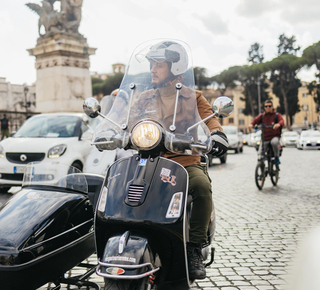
230	130
58	126
310	134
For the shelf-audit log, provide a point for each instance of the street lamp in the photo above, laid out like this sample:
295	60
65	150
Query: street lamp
26	90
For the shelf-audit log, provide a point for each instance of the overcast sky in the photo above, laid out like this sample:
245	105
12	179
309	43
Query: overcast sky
219	33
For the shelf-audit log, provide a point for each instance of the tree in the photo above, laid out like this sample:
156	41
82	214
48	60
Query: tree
227	78
201	80
285	83
311	56
287	45
107	86
253	79
255	54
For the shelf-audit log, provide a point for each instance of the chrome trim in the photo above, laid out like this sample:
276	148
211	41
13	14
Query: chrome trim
59	235
125	266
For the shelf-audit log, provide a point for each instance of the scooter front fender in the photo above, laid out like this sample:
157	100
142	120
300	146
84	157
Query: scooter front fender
127	257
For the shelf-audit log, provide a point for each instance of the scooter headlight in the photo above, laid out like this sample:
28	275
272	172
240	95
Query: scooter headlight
146	135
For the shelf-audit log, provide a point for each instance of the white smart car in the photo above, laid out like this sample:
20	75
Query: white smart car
58	138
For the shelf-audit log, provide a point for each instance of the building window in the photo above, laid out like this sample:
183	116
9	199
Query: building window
304	95
231	121
241	122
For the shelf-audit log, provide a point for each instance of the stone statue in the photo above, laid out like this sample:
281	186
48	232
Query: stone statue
67	20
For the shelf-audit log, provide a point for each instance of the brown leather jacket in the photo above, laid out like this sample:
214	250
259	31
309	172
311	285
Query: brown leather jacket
164	98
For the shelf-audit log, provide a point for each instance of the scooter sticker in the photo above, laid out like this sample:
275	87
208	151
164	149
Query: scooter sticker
115	271
143	162
121	258
166	178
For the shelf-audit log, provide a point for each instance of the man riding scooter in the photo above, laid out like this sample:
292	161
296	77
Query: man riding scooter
168	62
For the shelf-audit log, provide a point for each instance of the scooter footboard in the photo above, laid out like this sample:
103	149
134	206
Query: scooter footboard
127	257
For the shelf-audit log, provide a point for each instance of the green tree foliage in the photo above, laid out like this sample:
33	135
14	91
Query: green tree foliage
310	57
227	79
105	87
201	79
287	45
254	82
284	69
255	54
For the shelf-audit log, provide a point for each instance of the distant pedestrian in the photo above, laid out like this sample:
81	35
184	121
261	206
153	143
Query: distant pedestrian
5	123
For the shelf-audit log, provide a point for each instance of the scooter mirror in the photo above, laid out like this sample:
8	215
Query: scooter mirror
91	107
223	107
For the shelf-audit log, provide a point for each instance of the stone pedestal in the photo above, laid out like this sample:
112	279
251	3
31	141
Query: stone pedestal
63	78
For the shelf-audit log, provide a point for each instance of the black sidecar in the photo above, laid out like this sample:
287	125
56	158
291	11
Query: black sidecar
45	230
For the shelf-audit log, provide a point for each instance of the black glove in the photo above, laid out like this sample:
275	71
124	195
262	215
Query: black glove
219	143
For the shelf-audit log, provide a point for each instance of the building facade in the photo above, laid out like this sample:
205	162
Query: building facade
18	102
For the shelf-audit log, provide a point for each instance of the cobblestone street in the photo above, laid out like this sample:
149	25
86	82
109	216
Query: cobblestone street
258	232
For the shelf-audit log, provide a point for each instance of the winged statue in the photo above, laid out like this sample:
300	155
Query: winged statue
66	20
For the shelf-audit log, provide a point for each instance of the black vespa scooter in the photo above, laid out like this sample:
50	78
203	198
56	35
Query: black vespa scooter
47	228
142	216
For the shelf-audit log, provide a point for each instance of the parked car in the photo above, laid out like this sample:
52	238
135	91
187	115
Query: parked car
234	137
309	139
255	139
289	138
223	159
55	137
245	139
98	162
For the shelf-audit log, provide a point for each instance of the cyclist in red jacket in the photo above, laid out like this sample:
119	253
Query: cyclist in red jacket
271	135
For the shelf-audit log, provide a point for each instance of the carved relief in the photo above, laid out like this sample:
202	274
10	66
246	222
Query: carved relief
76	87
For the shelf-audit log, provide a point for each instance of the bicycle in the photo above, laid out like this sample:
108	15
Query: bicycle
266	164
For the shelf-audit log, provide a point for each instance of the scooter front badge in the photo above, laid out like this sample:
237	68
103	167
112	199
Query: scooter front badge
115	271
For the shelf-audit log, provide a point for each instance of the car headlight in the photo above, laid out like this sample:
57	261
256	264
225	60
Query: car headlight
2	153
57	151
146	135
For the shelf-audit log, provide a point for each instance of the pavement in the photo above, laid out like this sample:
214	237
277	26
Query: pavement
258	233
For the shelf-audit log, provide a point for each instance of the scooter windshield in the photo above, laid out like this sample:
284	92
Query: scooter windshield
57	175
158	85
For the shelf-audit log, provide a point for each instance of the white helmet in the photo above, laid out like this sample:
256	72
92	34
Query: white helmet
171	52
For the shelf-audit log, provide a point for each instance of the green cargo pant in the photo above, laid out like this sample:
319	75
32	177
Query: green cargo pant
200	190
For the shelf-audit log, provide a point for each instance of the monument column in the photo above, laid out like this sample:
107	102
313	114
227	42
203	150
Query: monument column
63	78
62	57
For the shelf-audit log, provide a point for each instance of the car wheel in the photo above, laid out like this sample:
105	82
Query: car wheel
241	149
77	165
223	159
209	160
4	189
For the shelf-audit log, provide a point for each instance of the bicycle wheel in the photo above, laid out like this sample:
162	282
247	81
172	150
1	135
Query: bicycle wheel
274	172
260	175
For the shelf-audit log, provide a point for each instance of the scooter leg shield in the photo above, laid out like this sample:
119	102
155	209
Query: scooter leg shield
127	257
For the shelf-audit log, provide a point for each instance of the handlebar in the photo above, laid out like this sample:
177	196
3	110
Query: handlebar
261	126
